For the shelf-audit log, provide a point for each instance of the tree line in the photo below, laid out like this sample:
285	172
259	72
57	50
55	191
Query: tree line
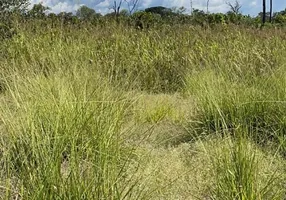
153	16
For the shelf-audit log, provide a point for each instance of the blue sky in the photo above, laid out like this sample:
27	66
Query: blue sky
251	7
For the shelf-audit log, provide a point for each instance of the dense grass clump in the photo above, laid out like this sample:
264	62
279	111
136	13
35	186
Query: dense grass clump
257	108
109	112
64	137
238	174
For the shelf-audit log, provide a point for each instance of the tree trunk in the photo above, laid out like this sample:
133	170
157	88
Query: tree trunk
191	2
264	11
271	6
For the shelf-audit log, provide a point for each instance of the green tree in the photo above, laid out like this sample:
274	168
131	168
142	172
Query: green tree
199	17
10	6
283	12
163	11
86	13
7	8
67	18
280	19
216	18
264	16
124	13
38	11
143	20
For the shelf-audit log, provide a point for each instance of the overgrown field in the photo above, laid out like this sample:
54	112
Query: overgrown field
109	112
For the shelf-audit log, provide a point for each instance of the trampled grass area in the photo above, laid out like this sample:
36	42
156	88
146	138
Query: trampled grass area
117	113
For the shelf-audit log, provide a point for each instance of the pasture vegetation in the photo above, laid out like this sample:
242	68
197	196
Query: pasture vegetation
180	112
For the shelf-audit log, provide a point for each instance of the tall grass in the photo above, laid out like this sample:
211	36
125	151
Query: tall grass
69	96
256	108
238	175
62	138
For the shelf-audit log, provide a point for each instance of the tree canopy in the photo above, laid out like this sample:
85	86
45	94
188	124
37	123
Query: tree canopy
38	11
12	5
87	13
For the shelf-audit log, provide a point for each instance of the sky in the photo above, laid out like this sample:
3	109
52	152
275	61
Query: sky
251	7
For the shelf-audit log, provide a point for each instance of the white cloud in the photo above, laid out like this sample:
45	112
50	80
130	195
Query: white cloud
64	7
103	7
253	3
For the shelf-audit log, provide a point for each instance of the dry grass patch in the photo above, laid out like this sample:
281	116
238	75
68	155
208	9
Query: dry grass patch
154	108
190	170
